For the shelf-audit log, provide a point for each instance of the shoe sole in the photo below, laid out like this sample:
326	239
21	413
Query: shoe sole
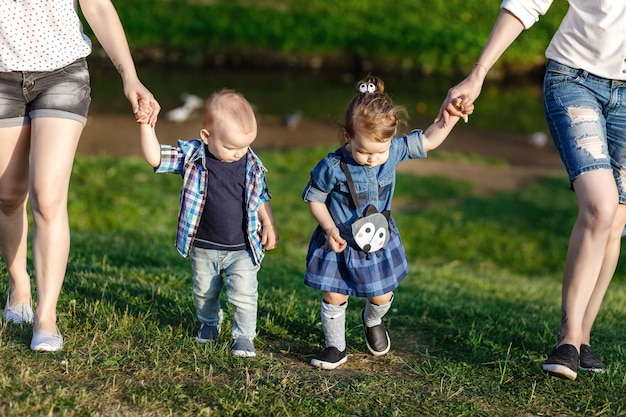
200	340
560	371
597	370
18	321
328	365
46	349
243	354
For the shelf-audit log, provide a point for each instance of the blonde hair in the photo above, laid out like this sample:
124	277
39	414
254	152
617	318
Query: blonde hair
228	103
372	111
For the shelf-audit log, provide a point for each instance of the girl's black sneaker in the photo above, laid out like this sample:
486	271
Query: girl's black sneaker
376	337
330	358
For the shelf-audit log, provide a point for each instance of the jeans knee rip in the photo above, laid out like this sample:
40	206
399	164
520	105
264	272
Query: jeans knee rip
593	145
579	115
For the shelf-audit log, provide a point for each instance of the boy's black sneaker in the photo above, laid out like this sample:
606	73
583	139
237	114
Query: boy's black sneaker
562	362
330	358
589	361
376	337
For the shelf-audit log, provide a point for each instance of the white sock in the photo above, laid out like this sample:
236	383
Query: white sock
374	313
334	324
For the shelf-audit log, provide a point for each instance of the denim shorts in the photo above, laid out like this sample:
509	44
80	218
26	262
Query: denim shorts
64	93
586	115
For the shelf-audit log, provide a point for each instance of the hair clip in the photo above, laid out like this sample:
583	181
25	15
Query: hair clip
367	88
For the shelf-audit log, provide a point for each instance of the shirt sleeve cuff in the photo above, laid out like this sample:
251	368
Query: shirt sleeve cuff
314	195
527	12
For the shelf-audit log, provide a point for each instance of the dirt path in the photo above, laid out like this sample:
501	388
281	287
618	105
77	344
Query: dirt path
118	135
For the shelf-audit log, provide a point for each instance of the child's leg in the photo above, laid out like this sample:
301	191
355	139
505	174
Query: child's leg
333	313
376	335
334	324
242	291
374	312
207	285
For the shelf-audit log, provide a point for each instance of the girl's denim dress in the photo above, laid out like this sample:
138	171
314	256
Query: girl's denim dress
353	271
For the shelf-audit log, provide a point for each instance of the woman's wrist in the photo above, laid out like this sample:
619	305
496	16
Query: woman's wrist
480	66
480	71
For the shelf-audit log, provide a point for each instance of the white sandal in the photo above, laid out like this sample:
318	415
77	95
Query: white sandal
19	313
44	341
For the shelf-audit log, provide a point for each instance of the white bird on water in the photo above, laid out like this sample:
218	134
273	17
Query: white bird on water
191	103
292	120
538	139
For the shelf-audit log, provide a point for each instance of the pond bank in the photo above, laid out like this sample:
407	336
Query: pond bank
117	135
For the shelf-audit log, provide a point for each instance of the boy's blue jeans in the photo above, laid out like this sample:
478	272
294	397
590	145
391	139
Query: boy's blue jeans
586	115
214	268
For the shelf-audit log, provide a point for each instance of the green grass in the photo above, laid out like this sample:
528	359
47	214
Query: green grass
470	325
404	35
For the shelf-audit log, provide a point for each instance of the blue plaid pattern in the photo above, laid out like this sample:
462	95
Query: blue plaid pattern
353	272
188	160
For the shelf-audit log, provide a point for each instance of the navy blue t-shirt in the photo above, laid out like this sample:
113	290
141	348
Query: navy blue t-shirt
223	222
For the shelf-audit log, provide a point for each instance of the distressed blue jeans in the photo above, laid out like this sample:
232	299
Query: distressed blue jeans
586	116
214	268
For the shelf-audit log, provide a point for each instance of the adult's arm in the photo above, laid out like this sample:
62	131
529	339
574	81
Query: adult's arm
506	29
105	23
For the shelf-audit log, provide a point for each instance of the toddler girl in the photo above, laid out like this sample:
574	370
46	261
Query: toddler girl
356	248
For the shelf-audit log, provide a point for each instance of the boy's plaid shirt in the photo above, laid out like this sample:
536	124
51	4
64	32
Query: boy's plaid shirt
187	159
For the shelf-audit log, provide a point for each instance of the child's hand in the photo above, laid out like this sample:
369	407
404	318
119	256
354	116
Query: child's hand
269	237
465	106
146	111
335	241
145	107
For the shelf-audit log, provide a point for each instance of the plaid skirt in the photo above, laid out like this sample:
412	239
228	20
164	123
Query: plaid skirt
353	271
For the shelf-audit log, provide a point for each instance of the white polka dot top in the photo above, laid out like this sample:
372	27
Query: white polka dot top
40	35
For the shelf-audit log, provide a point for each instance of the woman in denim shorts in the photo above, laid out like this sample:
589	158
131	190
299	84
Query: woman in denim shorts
585	106
44	98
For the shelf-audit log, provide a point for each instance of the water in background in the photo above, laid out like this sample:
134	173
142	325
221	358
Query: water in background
513	107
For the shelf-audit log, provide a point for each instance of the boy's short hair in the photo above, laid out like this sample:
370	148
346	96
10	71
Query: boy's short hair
229	103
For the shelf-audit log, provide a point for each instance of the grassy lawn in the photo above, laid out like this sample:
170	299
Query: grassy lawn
469	326
421	36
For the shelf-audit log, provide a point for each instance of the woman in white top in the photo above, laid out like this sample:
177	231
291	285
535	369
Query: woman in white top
44	99
585	106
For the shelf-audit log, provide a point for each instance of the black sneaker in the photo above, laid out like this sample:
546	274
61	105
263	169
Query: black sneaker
329	358
589	361
562	362
376	337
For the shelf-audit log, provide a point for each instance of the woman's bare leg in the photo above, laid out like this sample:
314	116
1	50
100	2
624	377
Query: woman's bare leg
15	143
53	147
588	254
611	257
